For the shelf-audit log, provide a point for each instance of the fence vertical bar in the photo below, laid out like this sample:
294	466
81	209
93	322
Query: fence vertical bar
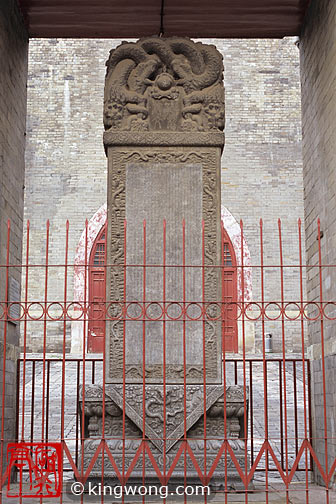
18	378
164	351
224	362
283	352
281	416
64	335
84	349
77	410
310	412
32	416
251	409
184	357
262	287
104	380
204	360
244	348
25	334
124	363
48	400
45	330
323	357
144	359
295	409
17	404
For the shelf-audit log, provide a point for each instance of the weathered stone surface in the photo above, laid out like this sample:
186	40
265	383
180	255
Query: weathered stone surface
164	84
183	184
175	194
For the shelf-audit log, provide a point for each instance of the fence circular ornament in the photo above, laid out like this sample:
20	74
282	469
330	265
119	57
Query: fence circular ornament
255	310
272	311
99	313
22	311
2	310
329	310
312	310
154	311
292	307
194	311
115	311
134	311
174	311
39	310
228	308
213	311
59	311
75	308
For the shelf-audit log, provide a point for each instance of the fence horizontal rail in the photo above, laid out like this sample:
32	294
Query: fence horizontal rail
274	310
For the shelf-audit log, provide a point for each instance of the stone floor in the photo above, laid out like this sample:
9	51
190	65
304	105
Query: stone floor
256	438
276	495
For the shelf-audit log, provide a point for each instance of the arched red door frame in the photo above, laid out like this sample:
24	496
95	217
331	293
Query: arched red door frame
229	292
97	294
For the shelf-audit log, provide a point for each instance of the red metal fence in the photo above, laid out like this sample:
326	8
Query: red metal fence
276	421
94	372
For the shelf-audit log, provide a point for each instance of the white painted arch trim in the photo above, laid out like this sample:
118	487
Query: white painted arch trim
233	229
94	226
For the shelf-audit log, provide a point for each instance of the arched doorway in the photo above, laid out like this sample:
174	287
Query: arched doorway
229	294
97	294
239	252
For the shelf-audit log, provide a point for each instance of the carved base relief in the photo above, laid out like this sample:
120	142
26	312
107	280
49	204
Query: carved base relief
174	429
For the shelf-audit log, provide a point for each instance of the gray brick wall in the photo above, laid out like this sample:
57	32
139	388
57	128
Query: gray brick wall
13	78
261	164
318	80
320	402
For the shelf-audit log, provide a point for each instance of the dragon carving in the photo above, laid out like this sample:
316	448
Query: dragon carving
164	84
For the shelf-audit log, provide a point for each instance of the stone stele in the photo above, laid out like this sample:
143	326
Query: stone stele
164	116
164	119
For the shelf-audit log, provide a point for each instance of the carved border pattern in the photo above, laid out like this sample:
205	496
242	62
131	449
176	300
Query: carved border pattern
116	216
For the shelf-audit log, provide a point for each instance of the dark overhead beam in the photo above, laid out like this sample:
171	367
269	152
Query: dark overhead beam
135	18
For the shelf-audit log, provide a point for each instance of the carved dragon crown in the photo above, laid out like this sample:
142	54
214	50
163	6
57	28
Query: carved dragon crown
159	84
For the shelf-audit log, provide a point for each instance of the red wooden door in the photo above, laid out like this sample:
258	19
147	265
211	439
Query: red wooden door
97	294
229	287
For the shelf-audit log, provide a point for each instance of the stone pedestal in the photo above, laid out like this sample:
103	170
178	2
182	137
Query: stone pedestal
174	431
164	120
